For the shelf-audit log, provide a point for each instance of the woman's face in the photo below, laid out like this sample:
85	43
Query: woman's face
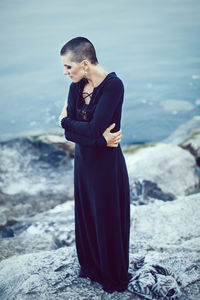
74	70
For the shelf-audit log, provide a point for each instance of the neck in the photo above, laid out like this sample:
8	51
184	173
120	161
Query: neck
96	75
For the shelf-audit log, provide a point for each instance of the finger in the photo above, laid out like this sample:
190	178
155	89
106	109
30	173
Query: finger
118	140
115	134
118	137
114	144
112	125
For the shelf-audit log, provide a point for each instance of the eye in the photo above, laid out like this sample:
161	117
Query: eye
68	67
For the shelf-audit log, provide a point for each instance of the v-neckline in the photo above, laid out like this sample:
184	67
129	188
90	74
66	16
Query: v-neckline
84	83
91	97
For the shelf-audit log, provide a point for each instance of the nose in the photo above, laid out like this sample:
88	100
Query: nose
66	71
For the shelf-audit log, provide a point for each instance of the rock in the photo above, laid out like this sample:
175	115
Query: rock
160	172
13	210
168	234
165	226
23	244
145	191
35	176
192	144
37	150
48	230
37	244
183	131
57	140
49	275
164	236
7	232
130	149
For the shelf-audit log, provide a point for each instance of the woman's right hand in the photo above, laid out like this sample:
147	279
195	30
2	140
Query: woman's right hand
63	113
113	139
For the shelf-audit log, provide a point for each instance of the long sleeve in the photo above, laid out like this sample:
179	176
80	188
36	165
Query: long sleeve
112	97
75	137
80	139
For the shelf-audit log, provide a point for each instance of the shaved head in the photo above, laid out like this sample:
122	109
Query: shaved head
80	48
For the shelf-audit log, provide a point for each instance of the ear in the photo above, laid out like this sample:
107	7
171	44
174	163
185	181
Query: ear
85	64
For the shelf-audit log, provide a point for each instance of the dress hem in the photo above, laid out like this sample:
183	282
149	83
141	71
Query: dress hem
107	287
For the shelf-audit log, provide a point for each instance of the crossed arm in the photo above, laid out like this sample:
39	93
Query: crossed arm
95	133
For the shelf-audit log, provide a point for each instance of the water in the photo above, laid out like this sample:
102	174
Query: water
152	45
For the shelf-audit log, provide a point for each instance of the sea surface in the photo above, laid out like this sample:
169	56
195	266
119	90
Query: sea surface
152	45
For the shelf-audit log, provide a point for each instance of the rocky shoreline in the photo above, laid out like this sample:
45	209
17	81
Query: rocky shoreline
37	243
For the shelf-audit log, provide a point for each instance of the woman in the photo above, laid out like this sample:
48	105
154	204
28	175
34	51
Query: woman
101	184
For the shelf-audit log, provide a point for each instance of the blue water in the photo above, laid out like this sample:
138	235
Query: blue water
152	45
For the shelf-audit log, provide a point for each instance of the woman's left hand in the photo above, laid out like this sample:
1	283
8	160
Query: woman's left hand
112	138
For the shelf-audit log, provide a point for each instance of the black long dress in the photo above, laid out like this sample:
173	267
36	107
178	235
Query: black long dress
101	184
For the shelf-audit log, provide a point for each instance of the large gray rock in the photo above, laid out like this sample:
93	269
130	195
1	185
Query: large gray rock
192	144
163	171
35	176
165	234
49	275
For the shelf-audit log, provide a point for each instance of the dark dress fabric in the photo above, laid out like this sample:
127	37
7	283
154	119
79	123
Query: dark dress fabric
101	184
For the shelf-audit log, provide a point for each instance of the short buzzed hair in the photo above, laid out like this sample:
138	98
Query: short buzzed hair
80	48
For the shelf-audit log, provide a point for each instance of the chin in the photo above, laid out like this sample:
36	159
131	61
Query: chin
76	80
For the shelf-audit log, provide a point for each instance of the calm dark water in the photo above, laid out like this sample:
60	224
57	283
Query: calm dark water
152	45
